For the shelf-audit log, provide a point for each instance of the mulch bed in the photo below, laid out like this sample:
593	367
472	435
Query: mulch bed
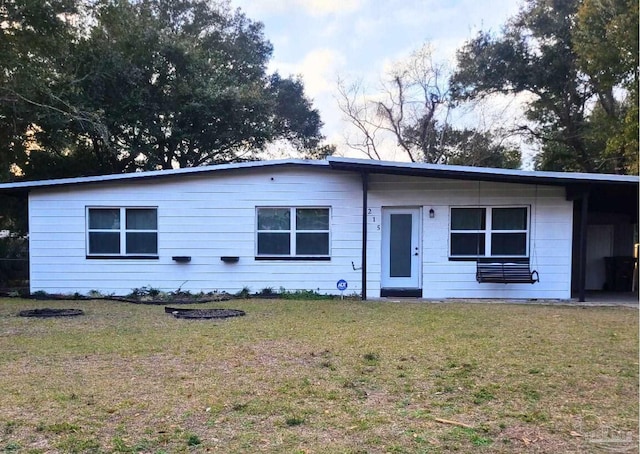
203	313
48	312
146	300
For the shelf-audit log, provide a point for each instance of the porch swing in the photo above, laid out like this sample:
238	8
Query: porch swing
507	270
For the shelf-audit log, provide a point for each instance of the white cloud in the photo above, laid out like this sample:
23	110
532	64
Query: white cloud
363	39
323	7
318	69
311	7
365	26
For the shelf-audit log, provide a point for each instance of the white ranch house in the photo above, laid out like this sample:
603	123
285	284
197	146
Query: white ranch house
387	228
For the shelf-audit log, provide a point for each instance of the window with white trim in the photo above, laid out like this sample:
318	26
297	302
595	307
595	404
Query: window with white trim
284	232
489	232
122	232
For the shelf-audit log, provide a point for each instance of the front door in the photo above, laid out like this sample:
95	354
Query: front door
401	248
599	246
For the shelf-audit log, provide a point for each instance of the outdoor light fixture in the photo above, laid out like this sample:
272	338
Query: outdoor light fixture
432	213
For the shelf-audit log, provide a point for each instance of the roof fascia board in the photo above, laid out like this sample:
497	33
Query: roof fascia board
352	165
479	173
25	186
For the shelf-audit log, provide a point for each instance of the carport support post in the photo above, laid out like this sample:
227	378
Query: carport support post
582	261
365	208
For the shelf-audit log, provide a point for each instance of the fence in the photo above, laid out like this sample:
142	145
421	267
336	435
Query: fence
14	275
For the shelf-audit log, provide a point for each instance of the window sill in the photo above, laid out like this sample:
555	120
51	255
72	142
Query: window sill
293	258
122	257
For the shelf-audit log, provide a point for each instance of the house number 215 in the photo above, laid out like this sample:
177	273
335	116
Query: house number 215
373	218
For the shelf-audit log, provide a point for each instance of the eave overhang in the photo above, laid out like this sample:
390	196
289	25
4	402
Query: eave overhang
564	179
24	187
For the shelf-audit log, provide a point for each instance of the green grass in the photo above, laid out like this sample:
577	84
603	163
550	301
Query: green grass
317	376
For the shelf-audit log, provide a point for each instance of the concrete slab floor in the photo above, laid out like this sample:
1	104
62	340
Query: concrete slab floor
593	299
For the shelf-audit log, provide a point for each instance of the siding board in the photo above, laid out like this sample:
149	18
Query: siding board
550	233
203	217
213	215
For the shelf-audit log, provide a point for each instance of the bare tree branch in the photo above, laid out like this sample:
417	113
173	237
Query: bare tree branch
410	109
71	112
357	115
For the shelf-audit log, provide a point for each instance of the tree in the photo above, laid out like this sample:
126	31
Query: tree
406	109
413	109
152	84
543	52
606	42
35	43
294	118
480	149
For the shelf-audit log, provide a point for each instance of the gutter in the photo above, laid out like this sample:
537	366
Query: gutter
365	208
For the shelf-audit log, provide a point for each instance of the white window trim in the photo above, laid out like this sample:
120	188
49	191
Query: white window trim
292	232
488	231
122	231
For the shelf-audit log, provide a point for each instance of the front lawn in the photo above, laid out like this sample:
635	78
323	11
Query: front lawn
319	376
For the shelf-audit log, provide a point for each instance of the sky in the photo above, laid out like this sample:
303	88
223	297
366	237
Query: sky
323	40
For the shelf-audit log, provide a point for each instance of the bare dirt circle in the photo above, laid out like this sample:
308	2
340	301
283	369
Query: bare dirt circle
48	312
203	313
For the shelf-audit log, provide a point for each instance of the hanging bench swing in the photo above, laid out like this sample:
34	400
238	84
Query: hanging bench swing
507	270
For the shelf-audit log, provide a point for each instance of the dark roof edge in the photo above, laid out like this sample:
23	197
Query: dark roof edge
479	173
25	186
352	165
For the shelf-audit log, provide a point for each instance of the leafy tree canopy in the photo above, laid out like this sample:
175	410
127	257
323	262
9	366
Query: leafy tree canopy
578	62
470	147
111	86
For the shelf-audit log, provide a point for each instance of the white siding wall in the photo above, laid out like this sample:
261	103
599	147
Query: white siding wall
205	217
550	235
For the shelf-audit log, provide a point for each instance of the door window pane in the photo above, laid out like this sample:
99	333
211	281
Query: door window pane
400	245
509	219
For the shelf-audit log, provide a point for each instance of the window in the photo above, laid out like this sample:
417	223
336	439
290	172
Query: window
122	232
292	232
489	231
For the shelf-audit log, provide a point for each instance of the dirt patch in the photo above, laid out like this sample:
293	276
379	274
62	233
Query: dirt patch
48	312
534	439
203	313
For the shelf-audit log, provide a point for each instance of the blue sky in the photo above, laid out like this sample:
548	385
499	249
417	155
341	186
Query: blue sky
322	40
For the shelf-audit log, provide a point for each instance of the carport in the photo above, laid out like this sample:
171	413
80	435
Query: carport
599	200
605	232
